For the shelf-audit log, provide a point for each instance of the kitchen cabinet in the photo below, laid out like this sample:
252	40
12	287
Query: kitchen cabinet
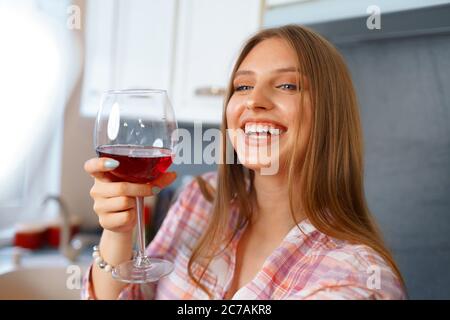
209	36
186	47
128	44
143	46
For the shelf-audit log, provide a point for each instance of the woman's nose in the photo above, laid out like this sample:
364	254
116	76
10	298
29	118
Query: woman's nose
258	99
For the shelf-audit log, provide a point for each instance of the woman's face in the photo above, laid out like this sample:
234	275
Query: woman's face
265	109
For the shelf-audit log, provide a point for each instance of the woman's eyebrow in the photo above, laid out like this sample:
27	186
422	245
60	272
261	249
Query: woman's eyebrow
279	70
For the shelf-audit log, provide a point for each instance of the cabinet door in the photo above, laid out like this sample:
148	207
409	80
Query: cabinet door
209	36
143	46
129	44
98	47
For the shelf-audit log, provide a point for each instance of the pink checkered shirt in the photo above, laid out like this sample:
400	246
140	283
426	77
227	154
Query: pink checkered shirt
306	265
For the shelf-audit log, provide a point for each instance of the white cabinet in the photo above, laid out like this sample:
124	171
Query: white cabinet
144	44
128	44
184	46
98	57
209	36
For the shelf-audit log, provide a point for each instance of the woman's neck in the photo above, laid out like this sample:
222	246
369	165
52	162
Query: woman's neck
272	204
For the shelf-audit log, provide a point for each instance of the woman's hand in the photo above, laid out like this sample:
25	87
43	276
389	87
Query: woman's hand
114	201
115	205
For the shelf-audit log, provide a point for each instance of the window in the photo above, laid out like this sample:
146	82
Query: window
34	80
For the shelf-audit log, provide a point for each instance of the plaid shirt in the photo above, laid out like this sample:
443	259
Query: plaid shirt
306	265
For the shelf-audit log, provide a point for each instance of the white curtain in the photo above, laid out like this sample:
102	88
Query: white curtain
39	61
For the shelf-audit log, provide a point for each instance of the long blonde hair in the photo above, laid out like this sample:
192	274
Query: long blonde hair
330	172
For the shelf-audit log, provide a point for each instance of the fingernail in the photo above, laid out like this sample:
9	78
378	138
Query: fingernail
111	164
155	190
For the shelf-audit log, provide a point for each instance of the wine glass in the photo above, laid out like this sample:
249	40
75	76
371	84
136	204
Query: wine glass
137	127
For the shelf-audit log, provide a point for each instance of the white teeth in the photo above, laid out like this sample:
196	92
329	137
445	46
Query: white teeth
274	131
259	128
253	128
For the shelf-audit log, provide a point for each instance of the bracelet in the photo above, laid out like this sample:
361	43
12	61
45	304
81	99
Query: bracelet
102	264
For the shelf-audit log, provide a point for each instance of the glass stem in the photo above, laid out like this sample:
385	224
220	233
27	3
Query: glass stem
140	259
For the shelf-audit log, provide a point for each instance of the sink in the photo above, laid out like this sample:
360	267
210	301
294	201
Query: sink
45	283
44	277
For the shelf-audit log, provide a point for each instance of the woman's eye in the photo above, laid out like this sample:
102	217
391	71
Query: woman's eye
284	86
242	88
287	86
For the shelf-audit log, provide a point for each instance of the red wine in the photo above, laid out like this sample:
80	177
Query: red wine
138	164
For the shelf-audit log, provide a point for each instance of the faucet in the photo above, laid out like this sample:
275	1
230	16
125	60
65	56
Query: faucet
70	250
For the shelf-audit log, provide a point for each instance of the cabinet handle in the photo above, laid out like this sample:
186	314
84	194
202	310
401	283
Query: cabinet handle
210	91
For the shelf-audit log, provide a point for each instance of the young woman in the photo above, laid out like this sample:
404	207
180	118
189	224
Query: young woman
304	232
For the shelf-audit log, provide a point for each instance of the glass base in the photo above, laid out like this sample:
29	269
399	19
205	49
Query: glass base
142	270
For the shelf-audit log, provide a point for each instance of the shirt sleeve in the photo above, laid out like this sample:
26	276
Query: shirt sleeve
86	289
163	246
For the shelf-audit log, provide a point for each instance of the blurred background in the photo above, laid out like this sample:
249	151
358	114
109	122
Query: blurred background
58	56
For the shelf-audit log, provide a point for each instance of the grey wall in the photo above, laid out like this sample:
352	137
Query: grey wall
403	88
193	169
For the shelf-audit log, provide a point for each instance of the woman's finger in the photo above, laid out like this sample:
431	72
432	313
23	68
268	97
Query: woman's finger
116	204
118	221
117	189
99	168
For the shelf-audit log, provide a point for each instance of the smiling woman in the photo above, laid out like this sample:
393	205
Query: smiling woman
265	103
301	232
